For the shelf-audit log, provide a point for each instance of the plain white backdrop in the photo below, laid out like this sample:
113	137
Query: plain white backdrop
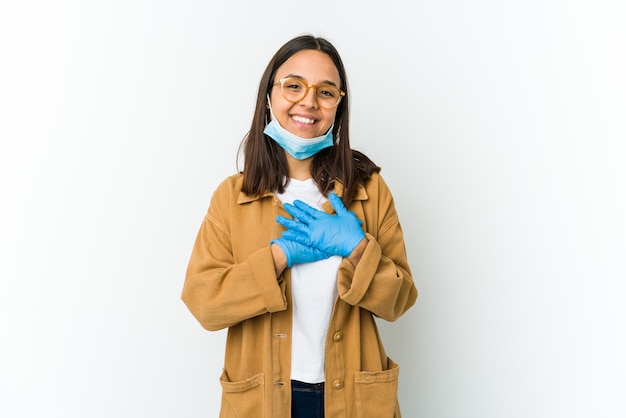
500	127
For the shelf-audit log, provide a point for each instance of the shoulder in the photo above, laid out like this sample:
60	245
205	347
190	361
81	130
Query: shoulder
377	205
376	188
229	192
233	182
225	195
229	188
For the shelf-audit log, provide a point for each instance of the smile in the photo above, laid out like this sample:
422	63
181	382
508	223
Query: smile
303	120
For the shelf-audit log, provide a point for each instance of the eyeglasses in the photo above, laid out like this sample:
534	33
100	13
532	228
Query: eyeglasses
294	89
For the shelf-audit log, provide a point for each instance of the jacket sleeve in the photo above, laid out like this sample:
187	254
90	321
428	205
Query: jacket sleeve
221	293
382	281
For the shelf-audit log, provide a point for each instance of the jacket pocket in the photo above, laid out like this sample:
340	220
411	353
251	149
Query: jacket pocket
376	393
242	399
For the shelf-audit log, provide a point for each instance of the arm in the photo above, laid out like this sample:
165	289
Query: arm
280	259
220	292
381	282
357	253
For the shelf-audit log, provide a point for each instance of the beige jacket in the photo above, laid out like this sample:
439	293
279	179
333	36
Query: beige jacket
231	282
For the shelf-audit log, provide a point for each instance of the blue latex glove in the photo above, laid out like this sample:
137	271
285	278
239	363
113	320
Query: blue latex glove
297	253
335	235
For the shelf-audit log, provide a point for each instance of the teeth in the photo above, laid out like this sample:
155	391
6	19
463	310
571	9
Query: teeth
303	120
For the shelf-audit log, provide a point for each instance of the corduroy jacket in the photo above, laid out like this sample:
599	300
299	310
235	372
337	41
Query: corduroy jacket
231	283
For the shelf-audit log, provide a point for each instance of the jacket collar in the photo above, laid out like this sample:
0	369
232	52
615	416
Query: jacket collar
245	198
361	194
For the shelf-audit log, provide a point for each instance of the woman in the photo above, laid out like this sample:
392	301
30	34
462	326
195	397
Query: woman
298	253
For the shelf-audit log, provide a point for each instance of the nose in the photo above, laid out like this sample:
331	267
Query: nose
310	98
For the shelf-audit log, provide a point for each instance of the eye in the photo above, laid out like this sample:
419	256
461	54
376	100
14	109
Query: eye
293	84
328	92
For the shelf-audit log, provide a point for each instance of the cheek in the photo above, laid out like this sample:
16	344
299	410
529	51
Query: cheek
279	107
330	118
274	95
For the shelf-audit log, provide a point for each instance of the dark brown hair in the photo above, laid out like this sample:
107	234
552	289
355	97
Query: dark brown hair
265	164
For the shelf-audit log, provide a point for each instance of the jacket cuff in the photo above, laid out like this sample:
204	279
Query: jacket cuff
265	275
354	282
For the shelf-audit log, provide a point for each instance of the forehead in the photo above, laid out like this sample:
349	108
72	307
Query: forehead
312	65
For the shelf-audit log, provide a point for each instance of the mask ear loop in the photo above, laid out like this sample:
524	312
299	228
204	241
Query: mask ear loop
269	106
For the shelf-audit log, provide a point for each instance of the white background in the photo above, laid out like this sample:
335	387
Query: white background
500	129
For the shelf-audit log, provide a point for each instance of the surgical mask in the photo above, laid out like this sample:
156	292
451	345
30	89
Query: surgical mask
299	148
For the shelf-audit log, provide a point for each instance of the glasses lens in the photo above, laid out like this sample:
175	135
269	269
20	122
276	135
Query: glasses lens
328	96
293	89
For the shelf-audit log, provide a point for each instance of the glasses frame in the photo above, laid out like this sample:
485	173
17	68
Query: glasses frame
308	87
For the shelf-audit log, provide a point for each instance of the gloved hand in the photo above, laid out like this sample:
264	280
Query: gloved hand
335	235
297	253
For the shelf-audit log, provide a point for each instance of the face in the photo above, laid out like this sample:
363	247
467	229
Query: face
305	118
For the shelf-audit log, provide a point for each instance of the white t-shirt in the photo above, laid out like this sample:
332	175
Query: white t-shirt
313	295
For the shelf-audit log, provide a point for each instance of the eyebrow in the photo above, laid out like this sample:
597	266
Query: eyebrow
332	83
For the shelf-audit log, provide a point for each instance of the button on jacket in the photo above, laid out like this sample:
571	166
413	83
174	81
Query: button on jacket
231	283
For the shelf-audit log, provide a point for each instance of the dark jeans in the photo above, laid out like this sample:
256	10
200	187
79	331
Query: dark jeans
307	400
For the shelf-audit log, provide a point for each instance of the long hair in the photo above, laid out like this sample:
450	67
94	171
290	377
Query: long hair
265	165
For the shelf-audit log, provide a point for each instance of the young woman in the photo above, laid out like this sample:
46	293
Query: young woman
299	252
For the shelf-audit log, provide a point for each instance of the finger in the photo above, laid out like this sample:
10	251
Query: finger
298	213
297	236
290	223
310	211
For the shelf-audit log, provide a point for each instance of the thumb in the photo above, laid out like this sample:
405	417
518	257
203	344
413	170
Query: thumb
337	204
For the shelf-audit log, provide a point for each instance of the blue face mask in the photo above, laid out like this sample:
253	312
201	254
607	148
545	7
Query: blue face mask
299	148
